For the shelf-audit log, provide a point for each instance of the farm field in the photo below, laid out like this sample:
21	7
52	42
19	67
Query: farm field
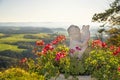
7	43
16	44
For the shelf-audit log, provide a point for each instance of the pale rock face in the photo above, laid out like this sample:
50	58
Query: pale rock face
79	39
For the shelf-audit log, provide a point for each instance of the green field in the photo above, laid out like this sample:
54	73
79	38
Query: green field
1	34
6	42
18	42
14	38
40	35
10	47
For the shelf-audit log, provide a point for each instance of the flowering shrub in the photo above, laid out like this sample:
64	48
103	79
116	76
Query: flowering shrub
53	59
104	61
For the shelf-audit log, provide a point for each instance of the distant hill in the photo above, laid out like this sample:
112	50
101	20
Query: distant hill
23	30
35	24
40	27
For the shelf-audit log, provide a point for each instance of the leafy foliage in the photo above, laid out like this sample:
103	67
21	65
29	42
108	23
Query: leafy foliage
114	36
19	74
76	67
53	59
103	62
110	15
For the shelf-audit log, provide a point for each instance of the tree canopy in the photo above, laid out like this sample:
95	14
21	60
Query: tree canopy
111	15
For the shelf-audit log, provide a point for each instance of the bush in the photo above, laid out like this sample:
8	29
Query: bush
103	61
19	74
53	59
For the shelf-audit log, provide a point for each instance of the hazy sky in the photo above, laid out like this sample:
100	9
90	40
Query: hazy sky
79	11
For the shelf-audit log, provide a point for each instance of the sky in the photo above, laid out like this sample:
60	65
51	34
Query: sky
76	11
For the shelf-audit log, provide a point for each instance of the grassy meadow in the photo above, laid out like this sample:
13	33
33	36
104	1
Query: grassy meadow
4	47
16	44
7	42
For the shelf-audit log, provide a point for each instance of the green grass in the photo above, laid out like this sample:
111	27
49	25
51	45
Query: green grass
1	34
12	39
15	38
20	37
10	47
41	35
4	42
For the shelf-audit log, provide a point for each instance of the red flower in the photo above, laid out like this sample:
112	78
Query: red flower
40	43
60	38
119	68
104	45
44	51
60	55
54	42
112	47
23	60
48	47
99	43
96	43
116	51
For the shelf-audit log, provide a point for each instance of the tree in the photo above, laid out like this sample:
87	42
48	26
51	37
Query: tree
110	16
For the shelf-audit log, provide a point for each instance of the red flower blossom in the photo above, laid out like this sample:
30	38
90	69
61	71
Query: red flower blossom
96	43
99	43
54	42
48	47
112	47
116	51
60	38
60	55
104	45
44	51
23	60
40	43
119	68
